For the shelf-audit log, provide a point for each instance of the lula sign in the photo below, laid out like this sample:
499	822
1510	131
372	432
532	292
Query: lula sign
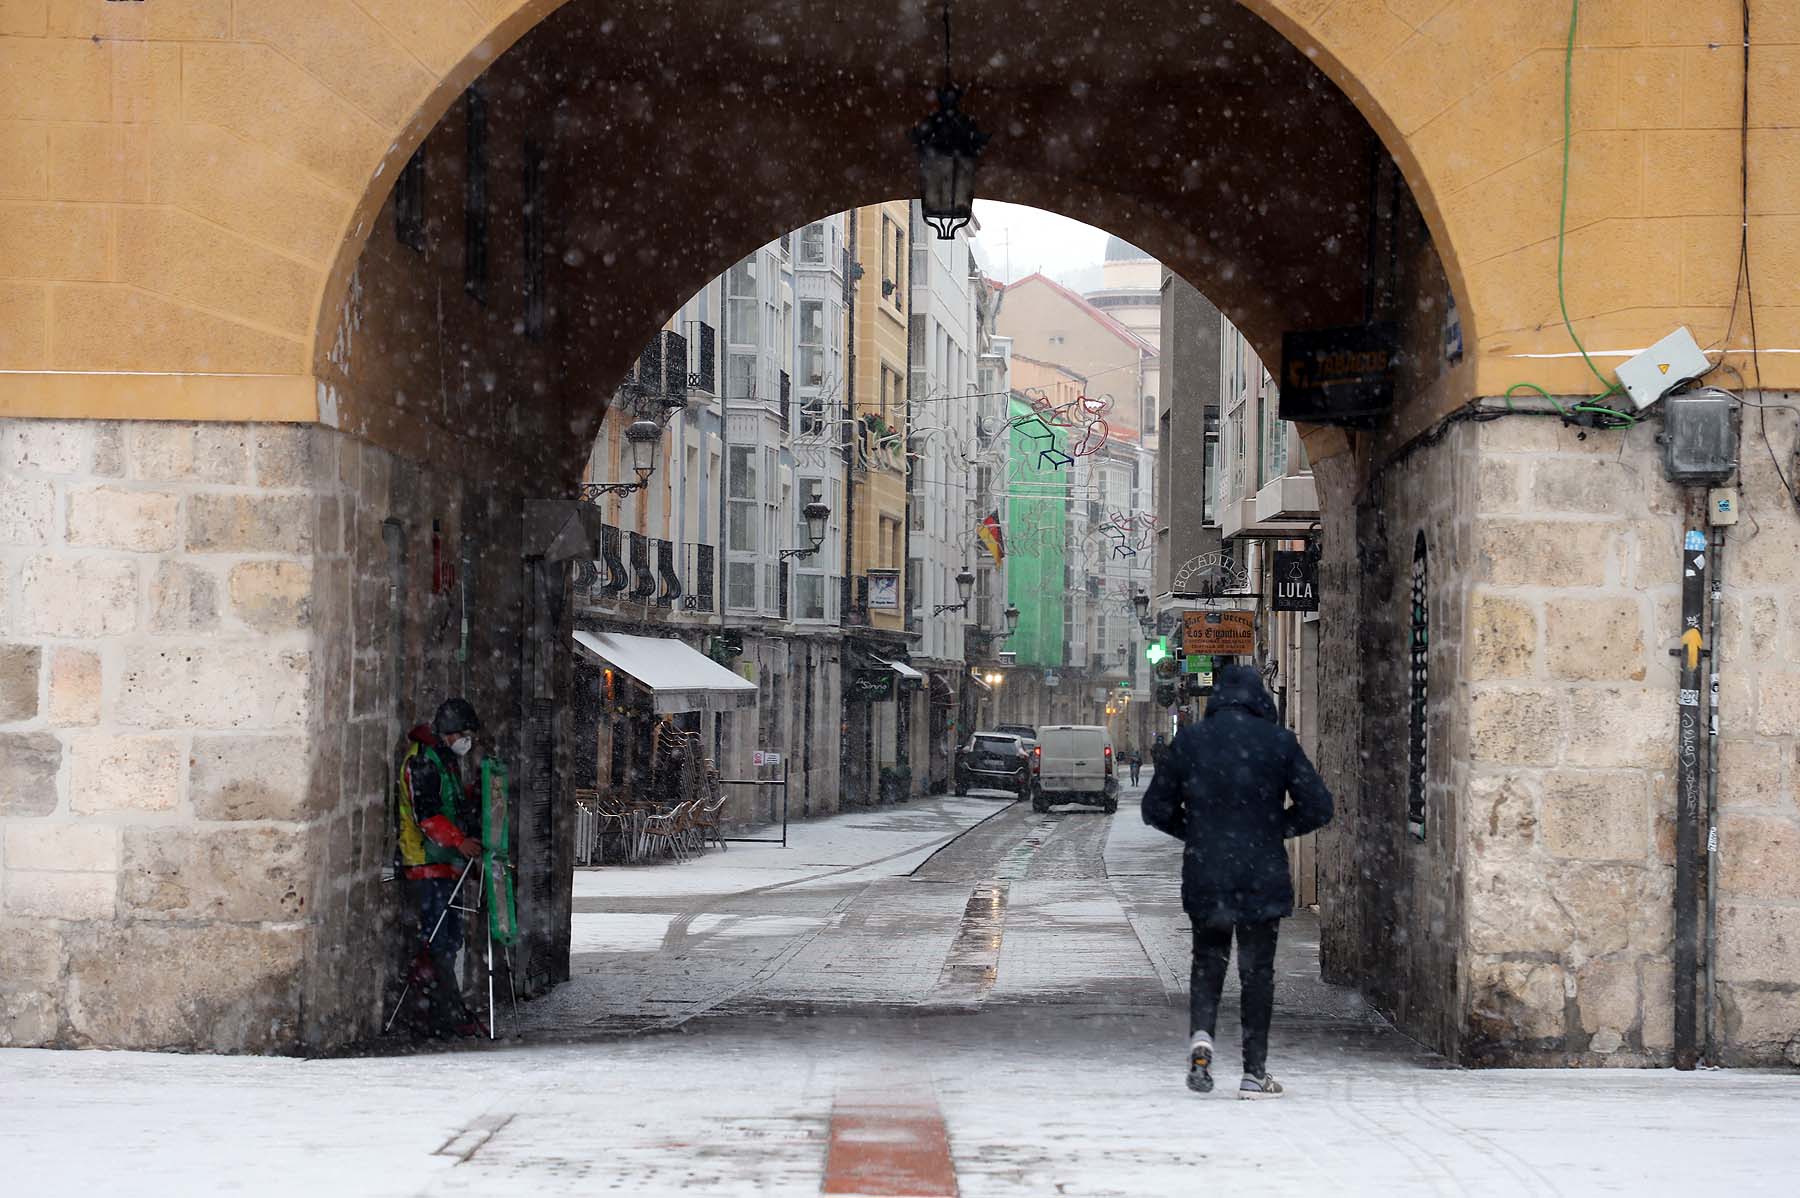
1296	582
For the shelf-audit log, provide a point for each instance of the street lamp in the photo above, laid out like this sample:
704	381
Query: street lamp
642	438
1011	615
949	144
965	587
816	514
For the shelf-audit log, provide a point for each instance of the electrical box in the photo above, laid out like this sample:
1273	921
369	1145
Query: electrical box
1722	506
1700	436
1670	362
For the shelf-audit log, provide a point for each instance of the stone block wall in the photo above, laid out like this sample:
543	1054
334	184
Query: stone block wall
203	694
1571	696
161	792
1535	923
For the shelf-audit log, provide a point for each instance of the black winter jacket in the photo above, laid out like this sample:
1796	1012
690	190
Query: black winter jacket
1223	788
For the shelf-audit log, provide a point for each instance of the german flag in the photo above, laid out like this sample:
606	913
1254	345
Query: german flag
993	537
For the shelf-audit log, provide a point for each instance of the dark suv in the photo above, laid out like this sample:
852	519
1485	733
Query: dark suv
1027	734
994	761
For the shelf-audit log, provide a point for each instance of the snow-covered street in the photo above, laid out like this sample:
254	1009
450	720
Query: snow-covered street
956	996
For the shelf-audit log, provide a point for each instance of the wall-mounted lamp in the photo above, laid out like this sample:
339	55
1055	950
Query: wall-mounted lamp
642	439
816	514
965	587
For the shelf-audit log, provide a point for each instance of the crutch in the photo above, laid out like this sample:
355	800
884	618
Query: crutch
442	915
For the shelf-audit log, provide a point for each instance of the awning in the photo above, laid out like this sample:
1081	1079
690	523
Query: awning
678	677
980	682
941	691
901	668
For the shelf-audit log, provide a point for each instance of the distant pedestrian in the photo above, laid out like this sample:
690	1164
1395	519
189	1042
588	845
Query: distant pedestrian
1135	760
1223	788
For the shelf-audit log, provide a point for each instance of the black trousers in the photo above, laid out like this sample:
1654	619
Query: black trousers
439	991
1256	971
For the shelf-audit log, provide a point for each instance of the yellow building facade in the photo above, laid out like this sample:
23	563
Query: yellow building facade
878	330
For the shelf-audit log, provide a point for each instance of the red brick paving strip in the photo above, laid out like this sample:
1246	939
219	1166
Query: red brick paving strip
898	1151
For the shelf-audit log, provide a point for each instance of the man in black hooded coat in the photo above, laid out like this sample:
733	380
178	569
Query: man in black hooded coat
1223	788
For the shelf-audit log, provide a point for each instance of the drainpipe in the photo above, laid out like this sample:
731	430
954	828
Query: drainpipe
1689	780
1709	996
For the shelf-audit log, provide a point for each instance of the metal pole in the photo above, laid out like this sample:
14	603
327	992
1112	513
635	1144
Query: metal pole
488	921
1689	785
1710	997
784	799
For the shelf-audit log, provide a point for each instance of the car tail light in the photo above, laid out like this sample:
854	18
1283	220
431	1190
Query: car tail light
1109	768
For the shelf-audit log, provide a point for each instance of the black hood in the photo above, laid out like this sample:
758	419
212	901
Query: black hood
1241	686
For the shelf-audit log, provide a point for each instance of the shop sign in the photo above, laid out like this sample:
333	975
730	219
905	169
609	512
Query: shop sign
868	686
1342	376
884	590
1219	633
1296	582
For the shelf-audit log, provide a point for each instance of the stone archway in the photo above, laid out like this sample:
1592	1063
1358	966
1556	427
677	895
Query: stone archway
224	434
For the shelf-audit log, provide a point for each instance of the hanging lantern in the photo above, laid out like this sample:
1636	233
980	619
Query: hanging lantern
949	146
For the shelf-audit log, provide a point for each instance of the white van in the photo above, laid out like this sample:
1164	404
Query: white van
1077	767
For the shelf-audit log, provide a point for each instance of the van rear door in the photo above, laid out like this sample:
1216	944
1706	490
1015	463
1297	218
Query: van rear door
1074	759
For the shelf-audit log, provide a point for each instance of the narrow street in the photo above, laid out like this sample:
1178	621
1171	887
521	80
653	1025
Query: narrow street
955	996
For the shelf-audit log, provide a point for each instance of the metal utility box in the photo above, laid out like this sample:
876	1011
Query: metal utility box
1700	436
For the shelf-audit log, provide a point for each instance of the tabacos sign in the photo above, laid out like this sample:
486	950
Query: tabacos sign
1296	582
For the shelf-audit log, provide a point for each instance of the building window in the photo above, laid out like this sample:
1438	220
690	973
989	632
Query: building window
745	497
899	267
918	356
475	197
888	285
812	244
534	240
740	376
809	596
409	203
890	543
1237	446
743	304
812	343
1419	647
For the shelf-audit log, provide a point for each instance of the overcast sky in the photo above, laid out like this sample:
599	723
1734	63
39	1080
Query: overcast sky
1034	240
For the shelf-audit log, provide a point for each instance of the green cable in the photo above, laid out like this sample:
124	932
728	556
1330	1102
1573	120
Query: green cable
1562	220
1562	237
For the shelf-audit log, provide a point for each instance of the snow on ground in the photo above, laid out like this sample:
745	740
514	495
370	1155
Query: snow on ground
1062	1076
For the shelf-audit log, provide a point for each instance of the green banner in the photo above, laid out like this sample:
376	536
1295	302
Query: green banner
496	843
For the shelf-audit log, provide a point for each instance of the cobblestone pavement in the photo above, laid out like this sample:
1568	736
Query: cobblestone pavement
958	996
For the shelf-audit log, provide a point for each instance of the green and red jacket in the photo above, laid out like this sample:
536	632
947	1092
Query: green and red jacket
432	809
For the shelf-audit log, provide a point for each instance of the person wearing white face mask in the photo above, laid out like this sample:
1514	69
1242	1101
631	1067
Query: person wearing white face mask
434	807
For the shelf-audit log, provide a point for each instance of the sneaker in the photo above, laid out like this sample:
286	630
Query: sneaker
1259	1087
1200	1054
